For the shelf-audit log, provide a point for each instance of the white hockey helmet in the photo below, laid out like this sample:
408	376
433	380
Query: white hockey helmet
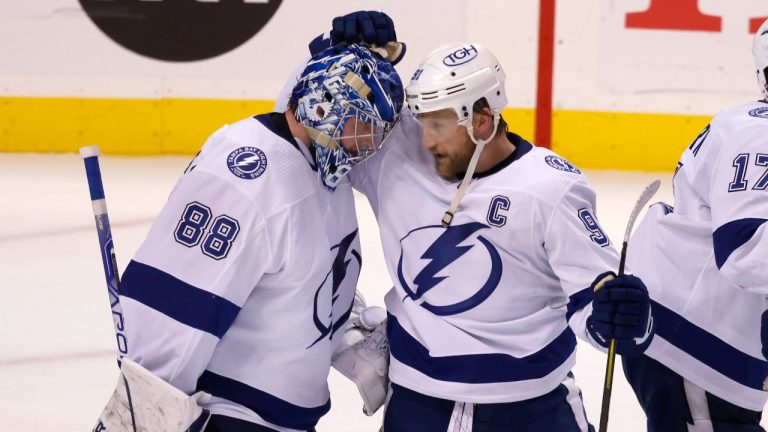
760	51
456	76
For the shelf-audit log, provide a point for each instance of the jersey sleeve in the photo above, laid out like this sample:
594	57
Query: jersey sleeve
739	205
205	253
578	251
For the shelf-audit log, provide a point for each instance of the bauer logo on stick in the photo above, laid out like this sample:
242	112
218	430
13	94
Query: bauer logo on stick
247	163
180	30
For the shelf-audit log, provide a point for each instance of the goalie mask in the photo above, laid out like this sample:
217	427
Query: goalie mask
348	100
760	51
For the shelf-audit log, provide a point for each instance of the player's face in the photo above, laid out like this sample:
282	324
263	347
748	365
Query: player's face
360	138
448	142
357	137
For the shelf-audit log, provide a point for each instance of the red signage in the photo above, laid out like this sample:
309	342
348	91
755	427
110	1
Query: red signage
679	15
755	24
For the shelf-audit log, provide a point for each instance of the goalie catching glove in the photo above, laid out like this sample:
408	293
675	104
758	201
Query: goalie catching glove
363	354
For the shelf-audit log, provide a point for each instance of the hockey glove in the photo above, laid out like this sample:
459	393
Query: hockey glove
621	310
363	354
374	30
764	333
369	27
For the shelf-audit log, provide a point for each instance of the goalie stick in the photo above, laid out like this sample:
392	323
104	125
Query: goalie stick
646	196
90	157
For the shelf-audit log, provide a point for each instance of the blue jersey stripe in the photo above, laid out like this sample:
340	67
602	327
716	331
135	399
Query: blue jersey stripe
732	236
478	368
269	407
179	300
578	301
709	349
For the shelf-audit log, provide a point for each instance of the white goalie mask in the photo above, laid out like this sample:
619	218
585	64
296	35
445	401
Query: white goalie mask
760	51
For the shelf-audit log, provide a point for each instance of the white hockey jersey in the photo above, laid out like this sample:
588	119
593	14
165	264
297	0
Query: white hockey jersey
245	277
705	262
479	311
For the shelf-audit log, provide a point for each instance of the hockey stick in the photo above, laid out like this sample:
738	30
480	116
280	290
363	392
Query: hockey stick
90	156
649	191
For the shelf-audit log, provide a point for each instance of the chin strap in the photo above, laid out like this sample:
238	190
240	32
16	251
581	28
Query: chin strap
479	146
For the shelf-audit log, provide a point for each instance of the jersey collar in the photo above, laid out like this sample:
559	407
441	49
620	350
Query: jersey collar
522	147
278	125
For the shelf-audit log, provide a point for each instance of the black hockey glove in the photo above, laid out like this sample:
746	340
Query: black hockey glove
367	27
374	30
764	333
621	310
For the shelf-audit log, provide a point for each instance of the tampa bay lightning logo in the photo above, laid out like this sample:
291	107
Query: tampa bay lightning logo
561	164
247	162
463	266
761	112
346	255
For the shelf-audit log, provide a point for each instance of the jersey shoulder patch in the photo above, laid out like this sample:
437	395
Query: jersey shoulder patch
761	112
247	163
561	164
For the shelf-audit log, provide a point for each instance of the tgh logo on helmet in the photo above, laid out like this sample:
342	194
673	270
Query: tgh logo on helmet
460	56
180	30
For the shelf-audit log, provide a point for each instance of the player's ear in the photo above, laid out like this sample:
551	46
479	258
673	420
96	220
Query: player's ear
482	122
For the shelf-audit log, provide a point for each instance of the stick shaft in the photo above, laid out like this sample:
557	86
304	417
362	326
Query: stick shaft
90	157
608	386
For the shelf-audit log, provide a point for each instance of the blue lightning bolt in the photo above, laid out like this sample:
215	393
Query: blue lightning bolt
443	252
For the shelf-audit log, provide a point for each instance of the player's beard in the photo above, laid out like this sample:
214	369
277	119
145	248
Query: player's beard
452	166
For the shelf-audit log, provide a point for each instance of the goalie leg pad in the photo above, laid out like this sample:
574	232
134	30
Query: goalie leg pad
142	402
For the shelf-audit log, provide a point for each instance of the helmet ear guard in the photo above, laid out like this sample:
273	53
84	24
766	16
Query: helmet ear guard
340	84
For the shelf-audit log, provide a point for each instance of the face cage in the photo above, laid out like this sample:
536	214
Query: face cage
368	133
762	80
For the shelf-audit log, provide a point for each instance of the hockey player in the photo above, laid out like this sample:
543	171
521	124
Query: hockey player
489	296
240	293
704	264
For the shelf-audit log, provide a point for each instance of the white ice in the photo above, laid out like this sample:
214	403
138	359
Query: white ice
57	350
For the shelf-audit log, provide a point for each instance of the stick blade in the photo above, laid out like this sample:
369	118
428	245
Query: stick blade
642	200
